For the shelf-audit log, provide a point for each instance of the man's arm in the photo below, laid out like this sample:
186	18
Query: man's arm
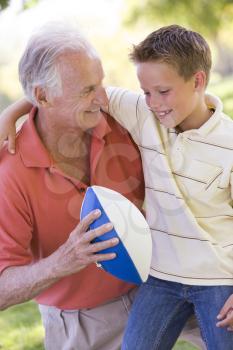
8	119
21	283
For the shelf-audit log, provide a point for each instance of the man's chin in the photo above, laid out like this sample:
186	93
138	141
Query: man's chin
92	122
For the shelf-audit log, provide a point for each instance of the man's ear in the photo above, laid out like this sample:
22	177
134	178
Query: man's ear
199	80
41	97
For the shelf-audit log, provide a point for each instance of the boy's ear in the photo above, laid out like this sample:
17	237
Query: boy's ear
41	97
200	80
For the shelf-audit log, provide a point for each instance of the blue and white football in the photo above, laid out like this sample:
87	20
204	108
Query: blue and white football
134	251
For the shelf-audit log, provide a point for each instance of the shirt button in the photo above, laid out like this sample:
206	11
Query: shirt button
82	190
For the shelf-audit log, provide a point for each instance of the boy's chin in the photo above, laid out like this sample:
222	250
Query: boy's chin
168	124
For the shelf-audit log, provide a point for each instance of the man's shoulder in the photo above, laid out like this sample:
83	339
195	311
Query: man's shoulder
11	166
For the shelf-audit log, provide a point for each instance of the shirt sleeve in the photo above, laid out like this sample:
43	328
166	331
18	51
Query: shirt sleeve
15	222
129	109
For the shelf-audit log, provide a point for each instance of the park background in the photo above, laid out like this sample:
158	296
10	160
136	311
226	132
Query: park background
113	26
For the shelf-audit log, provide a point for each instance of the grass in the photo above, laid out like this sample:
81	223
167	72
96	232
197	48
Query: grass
21	329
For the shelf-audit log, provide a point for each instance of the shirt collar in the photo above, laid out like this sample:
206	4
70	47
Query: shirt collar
103	128
32	151
214	103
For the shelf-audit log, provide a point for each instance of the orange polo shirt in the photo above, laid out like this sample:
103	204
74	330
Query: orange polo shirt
40	206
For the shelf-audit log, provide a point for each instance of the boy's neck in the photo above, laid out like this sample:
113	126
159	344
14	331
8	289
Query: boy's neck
199	117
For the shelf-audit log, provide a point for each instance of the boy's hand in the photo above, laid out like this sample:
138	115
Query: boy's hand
226	315
7	132
8	119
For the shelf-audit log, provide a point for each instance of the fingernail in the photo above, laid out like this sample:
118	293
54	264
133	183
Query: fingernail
115	240
12	151
97	212
219	317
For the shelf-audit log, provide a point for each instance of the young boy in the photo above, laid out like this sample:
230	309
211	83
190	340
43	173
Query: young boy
186	145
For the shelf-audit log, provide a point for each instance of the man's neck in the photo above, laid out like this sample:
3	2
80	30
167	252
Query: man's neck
69	148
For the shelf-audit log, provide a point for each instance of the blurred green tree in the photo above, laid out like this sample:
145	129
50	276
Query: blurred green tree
207	17
4	4
25	4
203	15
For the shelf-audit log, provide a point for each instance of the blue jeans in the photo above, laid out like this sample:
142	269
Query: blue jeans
161	309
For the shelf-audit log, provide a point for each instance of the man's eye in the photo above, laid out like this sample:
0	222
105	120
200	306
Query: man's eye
146	93
88	91
163	92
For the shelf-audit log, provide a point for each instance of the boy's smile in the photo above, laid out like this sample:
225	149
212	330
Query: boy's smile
174	100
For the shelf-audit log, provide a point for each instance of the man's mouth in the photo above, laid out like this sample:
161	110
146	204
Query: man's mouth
94	110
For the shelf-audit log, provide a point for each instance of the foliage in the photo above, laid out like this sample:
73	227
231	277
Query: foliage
29	3
21	329
4	4
223	88
25	4
205	16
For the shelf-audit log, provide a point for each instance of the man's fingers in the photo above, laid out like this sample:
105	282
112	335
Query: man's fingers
90	235
103	257
98	246
85	222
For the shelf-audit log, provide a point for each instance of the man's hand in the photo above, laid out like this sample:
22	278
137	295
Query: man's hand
21	283
226	315
78	251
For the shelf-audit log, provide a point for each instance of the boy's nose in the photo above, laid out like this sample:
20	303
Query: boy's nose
154	103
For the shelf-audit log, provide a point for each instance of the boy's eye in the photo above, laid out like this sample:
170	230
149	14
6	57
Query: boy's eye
146	93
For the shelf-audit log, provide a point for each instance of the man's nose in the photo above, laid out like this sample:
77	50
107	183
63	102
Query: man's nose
101	97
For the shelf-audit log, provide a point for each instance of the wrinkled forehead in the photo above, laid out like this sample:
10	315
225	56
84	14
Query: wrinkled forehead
79	68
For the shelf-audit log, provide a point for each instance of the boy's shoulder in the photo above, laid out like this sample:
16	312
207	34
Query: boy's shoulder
222	134
220	126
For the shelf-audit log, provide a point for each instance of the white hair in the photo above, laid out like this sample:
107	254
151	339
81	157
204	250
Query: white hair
38	66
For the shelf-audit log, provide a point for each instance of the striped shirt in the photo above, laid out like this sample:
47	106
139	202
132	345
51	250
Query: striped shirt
189	196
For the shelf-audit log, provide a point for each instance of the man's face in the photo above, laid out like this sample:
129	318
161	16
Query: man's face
82	92
172	99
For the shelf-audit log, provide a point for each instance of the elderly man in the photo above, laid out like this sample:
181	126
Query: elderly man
191	332
66	145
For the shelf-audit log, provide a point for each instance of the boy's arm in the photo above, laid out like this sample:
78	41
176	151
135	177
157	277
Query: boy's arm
129	109
8	119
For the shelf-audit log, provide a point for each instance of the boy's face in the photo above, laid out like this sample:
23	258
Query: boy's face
173	100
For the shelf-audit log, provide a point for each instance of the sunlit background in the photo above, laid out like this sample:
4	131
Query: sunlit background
113	26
